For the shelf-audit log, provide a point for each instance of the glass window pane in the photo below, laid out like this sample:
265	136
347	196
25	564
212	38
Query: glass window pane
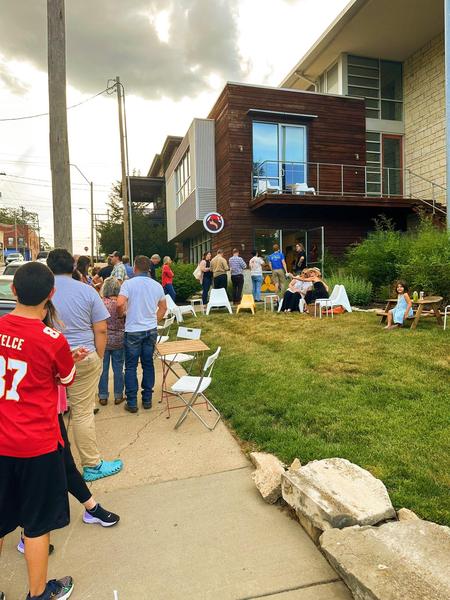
265	142
373	136
372	114
391	110
362	61
333	80
373	146
373	188
364	81
265	239
364	71
362	92
391	80
372	103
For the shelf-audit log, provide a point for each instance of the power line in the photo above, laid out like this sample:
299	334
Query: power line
68	108
98	185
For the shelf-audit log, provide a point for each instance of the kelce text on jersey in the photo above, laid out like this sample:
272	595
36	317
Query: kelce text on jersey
11	342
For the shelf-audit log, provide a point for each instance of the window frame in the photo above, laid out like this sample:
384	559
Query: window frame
183	186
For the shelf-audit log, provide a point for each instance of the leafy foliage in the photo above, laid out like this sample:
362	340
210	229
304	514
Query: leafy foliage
359	291
184	281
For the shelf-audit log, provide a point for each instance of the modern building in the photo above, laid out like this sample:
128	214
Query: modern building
356	130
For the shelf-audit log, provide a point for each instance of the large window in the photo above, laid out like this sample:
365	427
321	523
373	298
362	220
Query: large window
279	156
384	164
183	179
380	83
329	81
198	246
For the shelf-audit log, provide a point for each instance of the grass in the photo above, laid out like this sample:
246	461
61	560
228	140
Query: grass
312	389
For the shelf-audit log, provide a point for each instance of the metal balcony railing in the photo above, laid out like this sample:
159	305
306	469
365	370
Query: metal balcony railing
333	179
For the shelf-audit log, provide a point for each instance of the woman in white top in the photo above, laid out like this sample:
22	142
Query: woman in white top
256	264
297	290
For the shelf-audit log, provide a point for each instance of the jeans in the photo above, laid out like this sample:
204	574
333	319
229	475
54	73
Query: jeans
139	345
81	396
238	284
256	287
169	289
221	281
206	284
116	357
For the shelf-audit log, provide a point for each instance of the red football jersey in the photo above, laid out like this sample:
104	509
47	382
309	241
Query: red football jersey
32	356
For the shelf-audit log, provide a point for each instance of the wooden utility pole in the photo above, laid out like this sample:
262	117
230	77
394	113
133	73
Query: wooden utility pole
59	145
124	186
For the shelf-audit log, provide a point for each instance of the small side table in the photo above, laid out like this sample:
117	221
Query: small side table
195	301
269	299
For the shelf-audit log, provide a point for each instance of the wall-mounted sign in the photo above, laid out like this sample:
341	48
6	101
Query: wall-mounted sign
213	222
86	248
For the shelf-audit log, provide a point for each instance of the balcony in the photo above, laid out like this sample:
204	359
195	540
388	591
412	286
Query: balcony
313	183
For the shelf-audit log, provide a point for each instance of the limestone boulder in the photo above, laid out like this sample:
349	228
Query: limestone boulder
407	560
404	514
267	476
337	493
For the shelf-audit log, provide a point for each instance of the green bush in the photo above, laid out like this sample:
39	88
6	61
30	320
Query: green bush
420	257
184	281
359	290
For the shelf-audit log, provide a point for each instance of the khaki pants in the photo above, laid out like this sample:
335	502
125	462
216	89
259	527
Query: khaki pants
279	278
81	395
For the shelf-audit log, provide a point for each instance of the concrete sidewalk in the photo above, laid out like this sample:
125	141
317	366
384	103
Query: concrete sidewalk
193	525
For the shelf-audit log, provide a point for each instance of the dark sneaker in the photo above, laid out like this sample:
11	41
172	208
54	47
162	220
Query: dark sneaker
119	400
60	589
131	409
103	401
101	516
104	469
21	549
147	405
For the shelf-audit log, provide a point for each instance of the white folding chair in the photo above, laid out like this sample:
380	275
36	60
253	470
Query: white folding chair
164	330
219	299
196	386
446	313
326	303
179	311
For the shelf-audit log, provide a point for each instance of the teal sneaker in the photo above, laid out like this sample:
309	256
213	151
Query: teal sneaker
60	589
105	468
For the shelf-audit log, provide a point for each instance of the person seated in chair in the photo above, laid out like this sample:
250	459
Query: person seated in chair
298	288
319	289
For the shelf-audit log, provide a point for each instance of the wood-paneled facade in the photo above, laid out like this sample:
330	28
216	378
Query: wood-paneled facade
336	132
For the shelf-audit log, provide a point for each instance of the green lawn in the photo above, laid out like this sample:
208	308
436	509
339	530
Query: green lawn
309	388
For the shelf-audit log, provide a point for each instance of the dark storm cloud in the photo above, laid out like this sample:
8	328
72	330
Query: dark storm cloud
115	37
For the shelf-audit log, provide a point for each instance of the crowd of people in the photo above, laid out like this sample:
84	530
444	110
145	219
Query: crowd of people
69	325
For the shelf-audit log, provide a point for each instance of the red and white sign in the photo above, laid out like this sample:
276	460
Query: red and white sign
213	222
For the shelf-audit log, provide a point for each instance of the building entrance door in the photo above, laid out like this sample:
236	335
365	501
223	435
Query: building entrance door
312	241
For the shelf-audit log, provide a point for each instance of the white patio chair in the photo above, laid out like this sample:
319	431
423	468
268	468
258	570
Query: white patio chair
183	333
196	386
446	313
179	311
302	188
265	188
338	297
219	299
164	330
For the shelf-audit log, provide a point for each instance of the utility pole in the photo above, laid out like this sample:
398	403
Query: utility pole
59	145
124	186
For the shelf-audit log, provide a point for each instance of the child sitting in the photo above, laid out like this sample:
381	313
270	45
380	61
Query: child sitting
402	310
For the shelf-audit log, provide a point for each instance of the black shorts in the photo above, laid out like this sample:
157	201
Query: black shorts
33	494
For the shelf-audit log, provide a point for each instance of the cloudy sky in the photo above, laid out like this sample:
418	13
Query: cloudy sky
173	57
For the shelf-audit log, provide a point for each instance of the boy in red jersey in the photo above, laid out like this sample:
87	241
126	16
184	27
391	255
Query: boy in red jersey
33	486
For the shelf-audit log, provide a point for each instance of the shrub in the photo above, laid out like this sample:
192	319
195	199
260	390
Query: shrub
184	281
359	290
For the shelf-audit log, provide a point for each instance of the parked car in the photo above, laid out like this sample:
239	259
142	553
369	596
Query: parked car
7	300
12	267
13	257
43	254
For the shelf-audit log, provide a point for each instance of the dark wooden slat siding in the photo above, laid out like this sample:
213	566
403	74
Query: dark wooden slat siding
336	136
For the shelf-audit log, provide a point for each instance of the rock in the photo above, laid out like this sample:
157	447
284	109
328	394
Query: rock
267	476
295	465
397	561
336	493
404	514
313	532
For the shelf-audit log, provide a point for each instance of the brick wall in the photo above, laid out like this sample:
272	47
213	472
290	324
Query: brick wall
424	98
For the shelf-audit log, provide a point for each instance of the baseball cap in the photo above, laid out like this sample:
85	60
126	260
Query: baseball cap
115	253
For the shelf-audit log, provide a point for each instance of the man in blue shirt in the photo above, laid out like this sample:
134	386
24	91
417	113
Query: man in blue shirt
128	267
237	266
278	266
143	301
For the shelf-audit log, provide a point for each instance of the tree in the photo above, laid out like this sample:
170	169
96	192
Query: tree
149	236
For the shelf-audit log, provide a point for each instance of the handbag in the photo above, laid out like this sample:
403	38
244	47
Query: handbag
197	273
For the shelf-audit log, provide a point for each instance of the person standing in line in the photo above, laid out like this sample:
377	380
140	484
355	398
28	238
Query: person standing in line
33	484
114	351
119	271
237	267
206	276
278	266
219	267
84	315
167	278
83	264
143	301
300	259
256	264
128	267
154	262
